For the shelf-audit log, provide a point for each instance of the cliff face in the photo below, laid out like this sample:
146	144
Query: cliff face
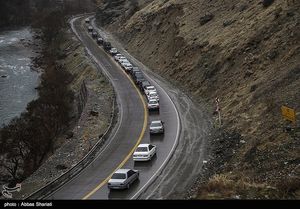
246	53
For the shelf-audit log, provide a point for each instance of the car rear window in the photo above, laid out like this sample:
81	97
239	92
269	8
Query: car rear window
137	73
139	76
153	94
142	149
150	88
118	176
155	124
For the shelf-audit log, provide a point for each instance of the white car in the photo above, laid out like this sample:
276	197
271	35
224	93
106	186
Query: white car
157	127
127	66
113	51
144	152
123	178
148	89
153	95
117	56
153	104
123	60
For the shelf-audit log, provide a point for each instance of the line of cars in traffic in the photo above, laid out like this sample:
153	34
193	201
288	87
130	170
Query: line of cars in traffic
123	178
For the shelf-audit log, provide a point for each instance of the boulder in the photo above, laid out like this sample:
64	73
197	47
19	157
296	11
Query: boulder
206	18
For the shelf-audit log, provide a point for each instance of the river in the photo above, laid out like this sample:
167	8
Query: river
17	79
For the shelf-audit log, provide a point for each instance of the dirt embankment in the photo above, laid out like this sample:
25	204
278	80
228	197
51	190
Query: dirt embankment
247	55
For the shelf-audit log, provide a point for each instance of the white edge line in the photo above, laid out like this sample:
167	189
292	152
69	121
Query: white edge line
178	125
155	175
109	76
121	109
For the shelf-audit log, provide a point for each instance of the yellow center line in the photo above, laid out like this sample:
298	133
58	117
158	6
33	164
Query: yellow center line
132	150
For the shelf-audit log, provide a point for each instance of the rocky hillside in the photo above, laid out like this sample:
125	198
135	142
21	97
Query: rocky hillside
247	53
111	10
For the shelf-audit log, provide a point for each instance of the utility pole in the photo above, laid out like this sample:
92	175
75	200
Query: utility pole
218	110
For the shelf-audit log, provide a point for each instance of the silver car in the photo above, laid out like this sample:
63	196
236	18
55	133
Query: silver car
157	127
123	178
113	51
153	95
153	104
149	89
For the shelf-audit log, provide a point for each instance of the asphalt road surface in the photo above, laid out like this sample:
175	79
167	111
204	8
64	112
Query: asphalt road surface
132	129
196	125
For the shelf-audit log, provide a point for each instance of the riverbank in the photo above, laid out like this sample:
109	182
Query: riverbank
92	123
18	75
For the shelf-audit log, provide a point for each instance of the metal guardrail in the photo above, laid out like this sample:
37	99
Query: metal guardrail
89	157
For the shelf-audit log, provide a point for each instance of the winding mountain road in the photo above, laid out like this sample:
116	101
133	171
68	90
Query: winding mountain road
131	130
180	151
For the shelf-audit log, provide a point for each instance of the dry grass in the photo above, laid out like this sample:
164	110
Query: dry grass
252	65
228	186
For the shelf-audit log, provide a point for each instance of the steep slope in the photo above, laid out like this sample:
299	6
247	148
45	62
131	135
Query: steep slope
247	55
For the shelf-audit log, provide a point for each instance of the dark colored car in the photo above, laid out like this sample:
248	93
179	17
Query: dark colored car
100	41
134	70
90	29
94	34
144	84
107	45
139	78
137	74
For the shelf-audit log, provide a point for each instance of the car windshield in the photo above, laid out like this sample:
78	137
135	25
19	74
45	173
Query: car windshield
155	124
141	149
119	176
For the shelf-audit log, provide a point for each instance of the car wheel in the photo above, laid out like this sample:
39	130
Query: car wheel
128	185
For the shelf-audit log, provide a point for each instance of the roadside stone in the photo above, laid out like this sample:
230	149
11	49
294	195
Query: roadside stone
267	3
272	55
94	113
206	18
248	73
69	134
61	167
253	88
243	7
228	22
